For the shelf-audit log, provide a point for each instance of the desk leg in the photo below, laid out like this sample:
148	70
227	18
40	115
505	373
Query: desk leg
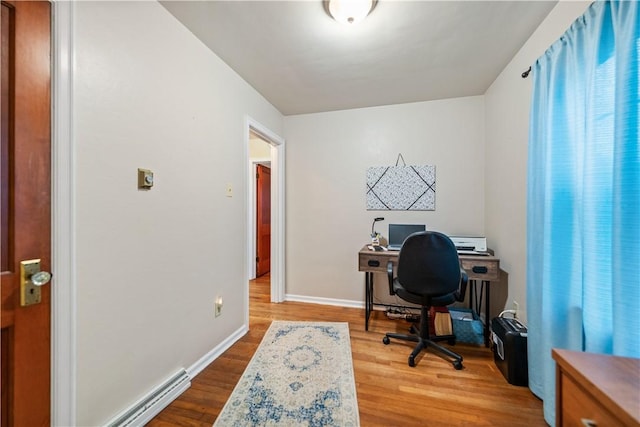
368	298
475	304
487	286
475	297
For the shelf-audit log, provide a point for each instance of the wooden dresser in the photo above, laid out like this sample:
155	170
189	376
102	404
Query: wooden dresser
596	390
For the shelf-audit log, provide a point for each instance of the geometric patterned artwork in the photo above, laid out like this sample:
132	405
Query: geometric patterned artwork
401	188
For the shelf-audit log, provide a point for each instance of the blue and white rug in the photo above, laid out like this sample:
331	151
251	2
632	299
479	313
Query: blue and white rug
300	375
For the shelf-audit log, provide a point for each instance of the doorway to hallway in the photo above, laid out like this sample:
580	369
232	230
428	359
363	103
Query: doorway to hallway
265	235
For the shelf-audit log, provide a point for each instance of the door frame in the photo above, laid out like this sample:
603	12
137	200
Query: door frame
63	223
277	211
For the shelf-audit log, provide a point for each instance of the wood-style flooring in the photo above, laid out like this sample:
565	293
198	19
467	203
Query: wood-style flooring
390	393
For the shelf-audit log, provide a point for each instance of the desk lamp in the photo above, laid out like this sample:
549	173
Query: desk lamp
375	237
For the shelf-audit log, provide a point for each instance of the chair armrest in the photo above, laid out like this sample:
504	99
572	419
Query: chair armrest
390	276
462	289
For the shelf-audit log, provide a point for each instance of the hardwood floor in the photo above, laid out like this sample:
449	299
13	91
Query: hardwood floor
390	393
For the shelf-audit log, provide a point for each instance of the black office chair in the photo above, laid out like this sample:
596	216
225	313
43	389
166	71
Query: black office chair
428	274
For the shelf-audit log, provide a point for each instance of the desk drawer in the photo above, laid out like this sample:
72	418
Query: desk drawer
579	408
373	262
481	269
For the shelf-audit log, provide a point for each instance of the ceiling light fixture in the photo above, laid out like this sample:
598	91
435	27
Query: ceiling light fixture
349	11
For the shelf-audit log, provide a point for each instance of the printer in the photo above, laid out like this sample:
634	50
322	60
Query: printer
470	245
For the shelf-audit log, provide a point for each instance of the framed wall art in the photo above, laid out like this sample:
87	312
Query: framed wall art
401	187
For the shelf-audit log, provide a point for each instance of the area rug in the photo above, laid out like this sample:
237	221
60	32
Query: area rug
300	375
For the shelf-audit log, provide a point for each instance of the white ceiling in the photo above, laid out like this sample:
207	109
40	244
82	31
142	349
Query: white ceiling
302	61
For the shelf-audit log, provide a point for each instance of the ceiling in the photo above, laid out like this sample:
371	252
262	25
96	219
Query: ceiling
302	61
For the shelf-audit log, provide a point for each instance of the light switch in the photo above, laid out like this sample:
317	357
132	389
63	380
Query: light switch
229	190
145	179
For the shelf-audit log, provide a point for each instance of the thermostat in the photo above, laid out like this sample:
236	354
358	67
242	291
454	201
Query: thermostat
145	179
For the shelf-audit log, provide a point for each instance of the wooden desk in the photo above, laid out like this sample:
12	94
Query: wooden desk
596	389
478	267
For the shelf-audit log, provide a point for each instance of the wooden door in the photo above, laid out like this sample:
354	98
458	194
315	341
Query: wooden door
263	220
25	198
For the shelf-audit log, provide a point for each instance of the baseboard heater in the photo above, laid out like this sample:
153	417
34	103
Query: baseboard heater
149	406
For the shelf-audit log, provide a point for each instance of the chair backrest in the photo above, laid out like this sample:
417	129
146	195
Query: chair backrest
428	264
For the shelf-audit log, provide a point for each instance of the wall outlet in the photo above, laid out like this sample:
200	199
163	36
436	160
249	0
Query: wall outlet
218	306
516	307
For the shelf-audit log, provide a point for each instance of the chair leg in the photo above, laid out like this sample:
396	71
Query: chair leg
457	359
413	338
416	351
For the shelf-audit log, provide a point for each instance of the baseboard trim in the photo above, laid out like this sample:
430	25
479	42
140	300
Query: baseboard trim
156	400
150	405
325	301
212	355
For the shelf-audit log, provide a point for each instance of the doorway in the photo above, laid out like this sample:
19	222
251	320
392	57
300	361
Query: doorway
259	194
270	152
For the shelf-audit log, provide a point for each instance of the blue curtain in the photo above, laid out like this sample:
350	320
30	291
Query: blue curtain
583	200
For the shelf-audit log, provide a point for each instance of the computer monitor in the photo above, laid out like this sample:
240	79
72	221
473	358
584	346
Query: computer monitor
399	232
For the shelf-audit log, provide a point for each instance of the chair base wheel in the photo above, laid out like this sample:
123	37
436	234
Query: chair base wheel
412	361
451	341
457	365
386	340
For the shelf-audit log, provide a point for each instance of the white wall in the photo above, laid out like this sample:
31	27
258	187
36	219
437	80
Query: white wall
149	263
327	158
507	109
